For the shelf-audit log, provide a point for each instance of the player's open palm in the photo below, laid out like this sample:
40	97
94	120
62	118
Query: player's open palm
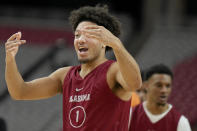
12	45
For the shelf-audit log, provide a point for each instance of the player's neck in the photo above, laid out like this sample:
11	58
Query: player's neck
88	67
156	109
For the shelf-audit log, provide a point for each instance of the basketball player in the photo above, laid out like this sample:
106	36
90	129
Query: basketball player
155	114
96	93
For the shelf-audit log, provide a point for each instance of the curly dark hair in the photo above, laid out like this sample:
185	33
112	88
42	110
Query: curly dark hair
158	69
97	14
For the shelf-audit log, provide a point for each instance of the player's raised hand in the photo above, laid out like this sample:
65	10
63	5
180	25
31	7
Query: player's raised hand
12	45
102	34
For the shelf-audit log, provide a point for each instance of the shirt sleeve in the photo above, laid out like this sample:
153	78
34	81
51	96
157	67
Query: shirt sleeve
183	124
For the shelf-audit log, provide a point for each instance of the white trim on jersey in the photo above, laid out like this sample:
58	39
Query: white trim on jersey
129	123
183	124
155	118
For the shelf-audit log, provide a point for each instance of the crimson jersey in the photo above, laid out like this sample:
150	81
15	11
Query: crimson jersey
141	122
90	105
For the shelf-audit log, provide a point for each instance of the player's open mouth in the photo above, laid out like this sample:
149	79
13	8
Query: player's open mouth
163	97
82	49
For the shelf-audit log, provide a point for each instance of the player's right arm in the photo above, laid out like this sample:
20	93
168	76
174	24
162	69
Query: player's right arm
37	89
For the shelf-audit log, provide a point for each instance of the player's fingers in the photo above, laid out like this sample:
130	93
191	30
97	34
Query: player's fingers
11	49
92	36
13	37
18	36
22	41
92	32
14	43
92	27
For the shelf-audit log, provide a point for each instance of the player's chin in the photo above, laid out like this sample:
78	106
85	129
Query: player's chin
162	103
83	60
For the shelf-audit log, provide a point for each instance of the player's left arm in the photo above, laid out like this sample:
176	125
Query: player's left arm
128	72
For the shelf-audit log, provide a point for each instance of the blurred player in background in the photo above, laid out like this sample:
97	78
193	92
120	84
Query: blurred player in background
156	114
